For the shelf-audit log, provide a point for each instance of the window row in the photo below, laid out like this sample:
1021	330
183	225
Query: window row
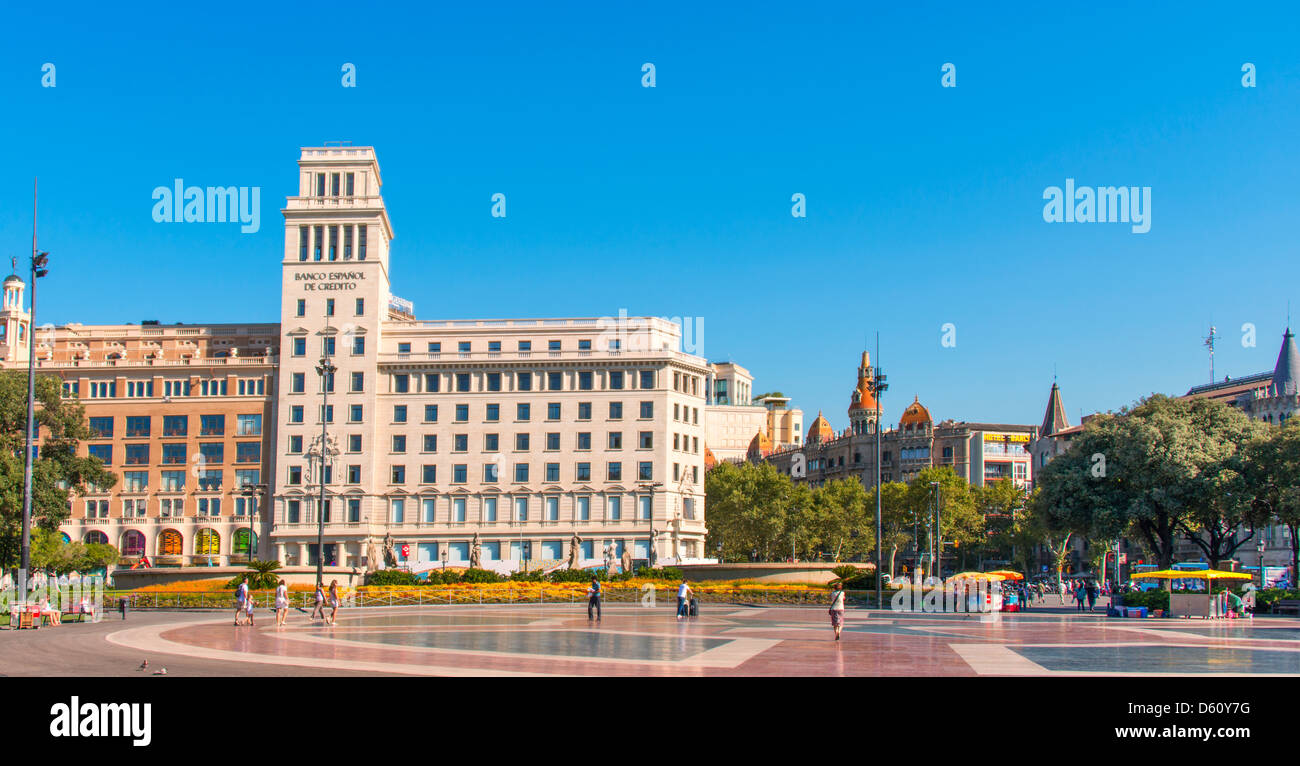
523	412
489	473
328	243
101	427
145	389
209	453
465	382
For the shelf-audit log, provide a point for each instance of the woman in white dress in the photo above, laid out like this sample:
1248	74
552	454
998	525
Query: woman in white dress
334	601
281	604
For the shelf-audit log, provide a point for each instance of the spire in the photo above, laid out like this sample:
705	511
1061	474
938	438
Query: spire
1286	375
1054	419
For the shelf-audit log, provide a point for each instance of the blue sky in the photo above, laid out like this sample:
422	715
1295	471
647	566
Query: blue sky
924	203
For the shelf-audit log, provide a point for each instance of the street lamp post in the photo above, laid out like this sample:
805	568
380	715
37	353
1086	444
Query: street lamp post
39	262
326	372
936	559
1259	546
878	387
251	494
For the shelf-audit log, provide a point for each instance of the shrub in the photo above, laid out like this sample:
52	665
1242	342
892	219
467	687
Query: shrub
658	573
533	575
845	572
391	577
1151	599
574	575
480	576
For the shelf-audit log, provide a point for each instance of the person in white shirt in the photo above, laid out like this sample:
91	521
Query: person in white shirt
683	599
281	604
241	593
837	609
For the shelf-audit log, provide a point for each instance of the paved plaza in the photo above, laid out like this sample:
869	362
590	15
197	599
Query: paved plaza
638	641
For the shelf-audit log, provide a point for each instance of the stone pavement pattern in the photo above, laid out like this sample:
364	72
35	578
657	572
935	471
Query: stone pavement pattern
631	640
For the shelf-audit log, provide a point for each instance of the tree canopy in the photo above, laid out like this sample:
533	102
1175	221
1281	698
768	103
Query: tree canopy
57	475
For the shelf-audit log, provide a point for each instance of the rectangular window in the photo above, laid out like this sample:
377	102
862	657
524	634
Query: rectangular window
459	473
463	347
354	443
293	511
489	509
553	472
360	309
358	345
584	472
403	348
399	413
248	425
430	442
354	510
615	440
297	383
616	379
491	473
135	481
521	473
210	480
493	381
299	346
646	440
435	348
584	509
647	379
319	236
295	413
525	381
173	454
553	411
460	442
647	410
584	440
429	474
354	413
615	472
101	428
645	508
553	441
615	504
398	510
521	442
213	452
354	474
522	411
525	345
361	242
585	381
491	443
212	425
462	382
521	509
645	471
458	509
432	382
334	253
553	345
431	413
304	239
358	382
462	413
137	454
347	243
615	410
176	425
493	413
399	444
554	381
398	475
584	410
494	345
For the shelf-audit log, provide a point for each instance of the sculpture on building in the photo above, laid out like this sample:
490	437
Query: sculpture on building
372	555
609	558
575	546
476	553
654	547
390	554
627	560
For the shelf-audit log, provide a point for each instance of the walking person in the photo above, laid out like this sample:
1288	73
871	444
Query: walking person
837	609
593	599
1092	594
1060	586
1079	597
683	598
249	604
319	609
334	601
281	604
241	593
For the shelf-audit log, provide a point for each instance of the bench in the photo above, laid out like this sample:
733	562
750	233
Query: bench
1287	605
77	616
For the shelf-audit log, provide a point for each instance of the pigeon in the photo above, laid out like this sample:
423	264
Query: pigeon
160	672
144	665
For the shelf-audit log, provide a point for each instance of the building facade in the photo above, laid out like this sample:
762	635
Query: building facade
504	439
734	418
978	452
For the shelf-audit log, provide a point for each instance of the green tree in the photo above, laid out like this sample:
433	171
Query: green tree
842	523
895	520
1039	525
959	520
1147	472
749	505
1002	504
1273	470
57	475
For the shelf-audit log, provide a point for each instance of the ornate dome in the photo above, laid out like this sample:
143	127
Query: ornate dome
759	447
709	459
915	415
820	430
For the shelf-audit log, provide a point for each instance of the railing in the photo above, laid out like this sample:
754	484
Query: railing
433	595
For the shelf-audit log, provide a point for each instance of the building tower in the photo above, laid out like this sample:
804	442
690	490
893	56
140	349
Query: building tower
15	321
335	300
862	405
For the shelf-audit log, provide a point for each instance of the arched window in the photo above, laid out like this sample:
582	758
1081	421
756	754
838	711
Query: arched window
208	543
133	543
96	536
66	539
170	543
241	541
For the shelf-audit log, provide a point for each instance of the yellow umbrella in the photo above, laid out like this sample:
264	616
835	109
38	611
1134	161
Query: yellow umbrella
991	576
1007	574
1193	574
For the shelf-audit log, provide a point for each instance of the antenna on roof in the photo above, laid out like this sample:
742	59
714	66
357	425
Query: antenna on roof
1209	343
